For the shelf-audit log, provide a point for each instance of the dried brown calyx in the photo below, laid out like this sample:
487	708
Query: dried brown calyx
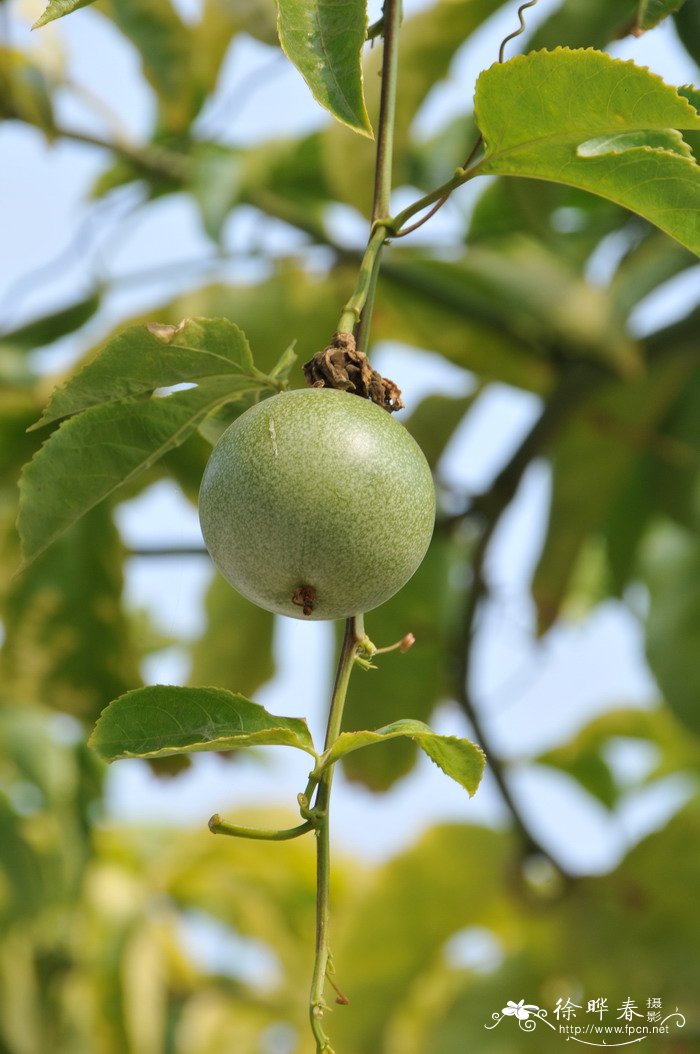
304	597
342	366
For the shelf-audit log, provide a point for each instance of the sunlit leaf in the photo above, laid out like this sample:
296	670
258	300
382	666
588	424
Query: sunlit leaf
59	8
324	40
544	141
459	759
164	719
453	877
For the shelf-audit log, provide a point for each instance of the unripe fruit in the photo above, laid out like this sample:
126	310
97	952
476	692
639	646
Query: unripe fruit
317	504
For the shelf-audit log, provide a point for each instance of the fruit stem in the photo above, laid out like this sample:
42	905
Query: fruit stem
366	280
352	639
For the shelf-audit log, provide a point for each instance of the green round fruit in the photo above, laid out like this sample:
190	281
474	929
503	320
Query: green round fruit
317	504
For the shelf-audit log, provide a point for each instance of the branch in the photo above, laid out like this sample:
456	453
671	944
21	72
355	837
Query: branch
573	389
160	162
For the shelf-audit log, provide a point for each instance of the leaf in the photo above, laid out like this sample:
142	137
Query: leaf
124	438
591	460
460	759
569	221
59	8
532	130
410	684
661	139
593	24
67	641
453	877
434	421
165	45
324	40
687	21
25	91
550	306
235	650
48	328
672	571
651	12
429	41
144	358
585	757
162	719
215	183
648	264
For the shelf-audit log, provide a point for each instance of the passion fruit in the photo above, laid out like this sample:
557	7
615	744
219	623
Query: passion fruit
317	504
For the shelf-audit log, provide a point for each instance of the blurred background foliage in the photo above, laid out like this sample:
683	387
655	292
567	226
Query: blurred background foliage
100	923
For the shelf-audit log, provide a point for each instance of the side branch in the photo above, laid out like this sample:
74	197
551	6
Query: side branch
488	508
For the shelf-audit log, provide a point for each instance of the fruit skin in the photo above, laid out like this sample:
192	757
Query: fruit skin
317	504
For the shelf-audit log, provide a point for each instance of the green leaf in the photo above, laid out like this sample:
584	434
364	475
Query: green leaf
324	40
672	570
584	25
410	684
688	27
62	483
215	183
235	651
550	306
166	47
434	421
591	461
25	91
585	757
460	759
651	12
48	328
569	221
661	139
67	641
59	8
163	719
144	358
532	130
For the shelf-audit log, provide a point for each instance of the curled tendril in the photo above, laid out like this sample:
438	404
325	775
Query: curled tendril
517	32
441	201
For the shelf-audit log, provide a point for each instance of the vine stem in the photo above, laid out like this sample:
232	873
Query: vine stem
391	25
353	637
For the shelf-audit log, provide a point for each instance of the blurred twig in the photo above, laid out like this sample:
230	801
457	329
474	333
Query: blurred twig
487	510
